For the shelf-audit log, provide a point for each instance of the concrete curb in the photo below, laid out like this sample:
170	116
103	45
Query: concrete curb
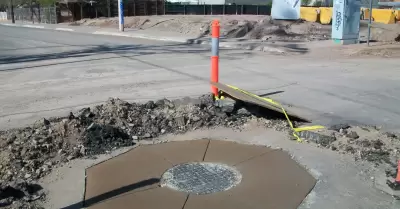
139	36
37	27
65	29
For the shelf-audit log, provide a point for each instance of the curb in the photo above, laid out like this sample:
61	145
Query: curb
37	27
138	36
65	29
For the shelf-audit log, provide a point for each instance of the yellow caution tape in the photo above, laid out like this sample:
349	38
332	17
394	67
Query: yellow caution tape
295	130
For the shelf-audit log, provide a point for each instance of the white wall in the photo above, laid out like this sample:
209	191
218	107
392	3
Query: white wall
3	16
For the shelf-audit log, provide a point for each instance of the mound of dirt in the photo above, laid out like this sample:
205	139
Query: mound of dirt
243	26
366	144
376	50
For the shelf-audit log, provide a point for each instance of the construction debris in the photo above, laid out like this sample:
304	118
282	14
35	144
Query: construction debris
32	152
27	154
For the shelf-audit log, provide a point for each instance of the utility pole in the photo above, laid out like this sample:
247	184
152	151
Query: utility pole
12	11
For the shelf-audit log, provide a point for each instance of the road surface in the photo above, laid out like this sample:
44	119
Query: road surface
50	73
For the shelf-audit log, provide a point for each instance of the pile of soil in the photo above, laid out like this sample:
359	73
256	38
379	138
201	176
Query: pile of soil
243	26
366	143
27	154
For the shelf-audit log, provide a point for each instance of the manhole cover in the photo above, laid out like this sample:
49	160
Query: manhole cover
201	178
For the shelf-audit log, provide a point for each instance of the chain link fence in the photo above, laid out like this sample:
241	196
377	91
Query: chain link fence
46	15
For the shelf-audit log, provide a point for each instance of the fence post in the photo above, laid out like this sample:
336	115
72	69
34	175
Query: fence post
215	56
236	8
134	8
31	10
204	9
184	9
81	6
40	14
369	22
108	8
211	12
223	9
12	12
165	7
156	7
258	10
241	12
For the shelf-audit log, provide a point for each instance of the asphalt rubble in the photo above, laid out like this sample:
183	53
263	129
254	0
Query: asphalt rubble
30	153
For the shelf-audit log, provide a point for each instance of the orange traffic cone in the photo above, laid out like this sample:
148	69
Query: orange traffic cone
398	173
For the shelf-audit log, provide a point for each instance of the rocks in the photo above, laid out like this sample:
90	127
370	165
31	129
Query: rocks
226	105
19	190
322	139
352	135
337	127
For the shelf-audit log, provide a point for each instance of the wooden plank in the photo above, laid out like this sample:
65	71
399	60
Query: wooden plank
253	99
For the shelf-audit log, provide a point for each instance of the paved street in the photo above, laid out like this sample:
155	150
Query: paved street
48	73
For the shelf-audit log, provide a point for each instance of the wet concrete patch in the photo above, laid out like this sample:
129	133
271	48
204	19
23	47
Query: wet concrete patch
132	180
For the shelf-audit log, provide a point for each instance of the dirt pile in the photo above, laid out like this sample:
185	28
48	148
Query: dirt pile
365	143
232	26
30	153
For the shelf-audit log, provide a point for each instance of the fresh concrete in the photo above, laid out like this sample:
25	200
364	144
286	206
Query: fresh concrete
48	73
269	177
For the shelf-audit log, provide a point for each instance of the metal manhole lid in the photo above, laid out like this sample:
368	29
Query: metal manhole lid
201	178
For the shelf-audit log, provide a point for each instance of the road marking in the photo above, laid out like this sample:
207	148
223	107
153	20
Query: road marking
64	29
33	26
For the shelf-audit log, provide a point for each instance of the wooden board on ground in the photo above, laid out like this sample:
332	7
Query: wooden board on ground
253	99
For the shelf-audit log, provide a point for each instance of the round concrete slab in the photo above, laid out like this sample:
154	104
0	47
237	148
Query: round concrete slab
268	178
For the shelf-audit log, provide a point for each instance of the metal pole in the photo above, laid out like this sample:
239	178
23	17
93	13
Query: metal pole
12	11
31	9
108	8
81	11
121	15
369	21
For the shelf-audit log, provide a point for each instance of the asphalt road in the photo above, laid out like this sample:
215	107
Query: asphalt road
48	73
